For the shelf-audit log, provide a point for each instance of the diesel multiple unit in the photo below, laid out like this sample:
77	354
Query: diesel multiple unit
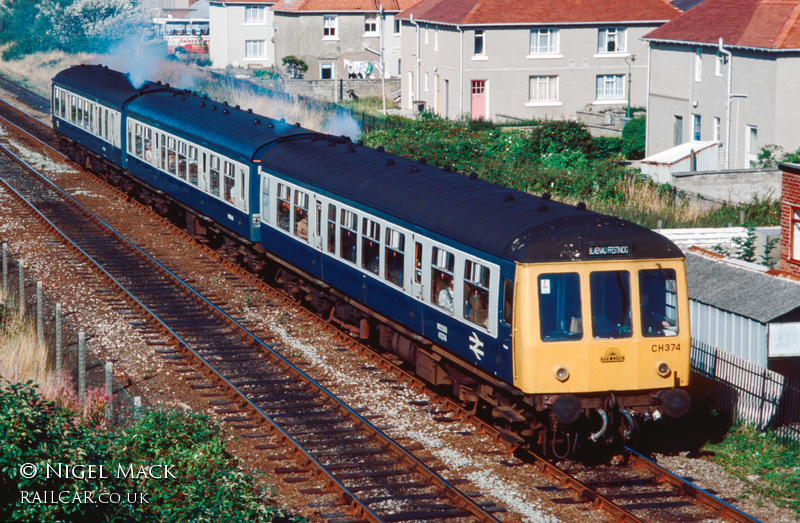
557	320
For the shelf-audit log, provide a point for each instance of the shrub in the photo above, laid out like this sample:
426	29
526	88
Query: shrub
606	148
633	139
297	67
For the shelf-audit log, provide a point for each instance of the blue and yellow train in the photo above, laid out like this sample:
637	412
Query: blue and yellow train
558	320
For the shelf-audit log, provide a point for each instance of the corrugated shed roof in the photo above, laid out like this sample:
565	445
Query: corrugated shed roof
741	288
484	12
768	24
333	6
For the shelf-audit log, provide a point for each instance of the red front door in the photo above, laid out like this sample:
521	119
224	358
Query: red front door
478	105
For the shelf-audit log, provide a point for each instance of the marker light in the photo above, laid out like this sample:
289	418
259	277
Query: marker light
663	369
562	374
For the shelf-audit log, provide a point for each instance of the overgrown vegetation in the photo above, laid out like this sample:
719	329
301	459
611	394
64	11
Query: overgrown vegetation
562	158
771	154
769	467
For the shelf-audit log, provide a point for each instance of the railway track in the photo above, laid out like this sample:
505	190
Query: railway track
236	349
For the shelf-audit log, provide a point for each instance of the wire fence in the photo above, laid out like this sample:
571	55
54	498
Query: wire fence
750	393
85	370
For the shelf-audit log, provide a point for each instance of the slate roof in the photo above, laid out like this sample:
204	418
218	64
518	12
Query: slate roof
767	24
334	6
742	288
685	5
497	12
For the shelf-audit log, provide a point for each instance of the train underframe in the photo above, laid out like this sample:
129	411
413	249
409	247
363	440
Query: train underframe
557	425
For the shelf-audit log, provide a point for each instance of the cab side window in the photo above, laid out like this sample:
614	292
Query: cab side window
442	289
508	301
476	293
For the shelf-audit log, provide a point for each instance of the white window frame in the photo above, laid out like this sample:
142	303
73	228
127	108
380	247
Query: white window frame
255	14
330	24
751	157
698	65
717	128
397	26
551	50
323	66
546	92
696	127
620	38
260	49
720	59
608	79
479	35
372	19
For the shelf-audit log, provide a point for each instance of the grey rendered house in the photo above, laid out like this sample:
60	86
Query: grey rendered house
727	70
340	39
241	33
544	59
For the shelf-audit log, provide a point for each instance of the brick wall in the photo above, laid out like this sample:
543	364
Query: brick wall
790	198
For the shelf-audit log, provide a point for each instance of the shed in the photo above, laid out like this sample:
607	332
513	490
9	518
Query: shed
686	157
743	308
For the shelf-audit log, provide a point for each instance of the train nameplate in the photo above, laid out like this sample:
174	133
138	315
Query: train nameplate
609	250
612	355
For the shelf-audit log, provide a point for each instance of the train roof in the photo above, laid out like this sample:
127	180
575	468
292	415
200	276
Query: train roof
101	83
213	124
509	224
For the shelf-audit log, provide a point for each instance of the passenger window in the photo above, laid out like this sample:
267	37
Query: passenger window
349	235
230	181
73	110
148	145
508	301
611	304
163	152
138	140
417	262
182	160
332	229
394	257
214	176
90	110
172	156
370	245
560	315
301	215
86	115
105	125
318	220
284	206
241	185
442	291
193	165
476	293
265	201
658	301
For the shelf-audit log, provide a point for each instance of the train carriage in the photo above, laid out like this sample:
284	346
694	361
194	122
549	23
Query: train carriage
555	318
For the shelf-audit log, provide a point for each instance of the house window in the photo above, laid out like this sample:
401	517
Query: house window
718	64
371	24
716	128
326	71
255	49
611	40
696	126
678	131
479	43
752	147
698	66
544	41
255	14
795	235
611	87
397	25
543	88
329	23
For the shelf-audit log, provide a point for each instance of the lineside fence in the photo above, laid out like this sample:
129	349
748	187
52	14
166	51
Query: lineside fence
750	393
68	352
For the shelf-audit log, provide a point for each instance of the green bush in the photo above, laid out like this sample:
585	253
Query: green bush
208	484
633	139
606	148
297	66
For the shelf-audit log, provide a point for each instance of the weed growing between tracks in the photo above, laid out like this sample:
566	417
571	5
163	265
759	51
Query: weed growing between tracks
771	468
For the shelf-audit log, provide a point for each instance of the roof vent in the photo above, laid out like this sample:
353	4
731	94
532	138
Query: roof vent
508	197
257	121
250	111
297	124
225	104
414	169
202	104
542	207
380	149
582	206
172	95
546	196
473	175
237	106
283	120
270	125
166	85
213	107
225	111
390	161
447	167
423	161
360	142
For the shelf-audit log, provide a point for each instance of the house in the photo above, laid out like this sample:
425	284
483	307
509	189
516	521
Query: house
241	33
727	71
545	59
340	40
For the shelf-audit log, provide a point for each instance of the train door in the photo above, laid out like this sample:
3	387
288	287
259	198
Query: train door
417	284
316	229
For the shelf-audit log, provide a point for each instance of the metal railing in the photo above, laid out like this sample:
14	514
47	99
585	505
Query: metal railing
749	392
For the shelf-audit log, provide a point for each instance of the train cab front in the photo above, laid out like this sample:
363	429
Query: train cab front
604	344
